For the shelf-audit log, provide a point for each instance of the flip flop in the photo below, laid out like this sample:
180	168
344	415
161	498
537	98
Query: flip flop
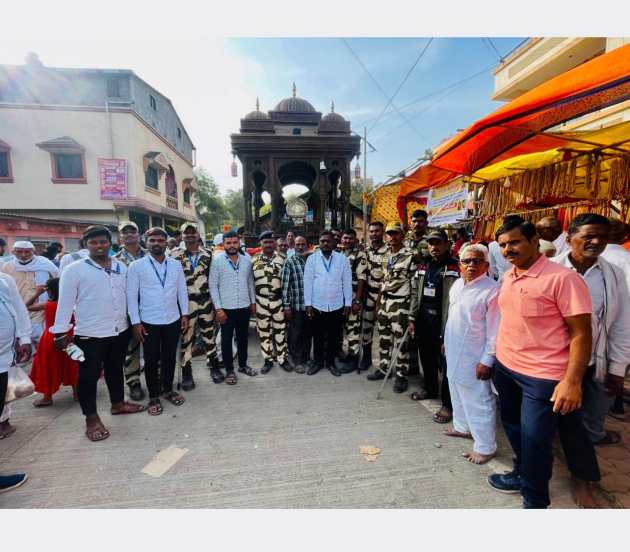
231	379
129	408
155	408
174	398
441	418
100	431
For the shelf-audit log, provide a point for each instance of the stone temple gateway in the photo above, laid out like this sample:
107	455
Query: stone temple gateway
294	144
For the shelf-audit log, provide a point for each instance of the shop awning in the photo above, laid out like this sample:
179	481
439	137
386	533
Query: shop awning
519	127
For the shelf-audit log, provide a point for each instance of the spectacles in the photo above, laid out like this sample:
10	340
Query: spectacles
473	261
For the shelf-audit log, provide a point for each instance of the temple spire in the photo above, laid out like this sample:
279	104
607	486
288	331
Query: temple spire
332	106
294	90
257	104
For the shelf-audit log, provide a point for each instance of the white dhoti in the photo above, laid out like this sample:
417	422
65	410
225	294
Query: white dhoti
475	412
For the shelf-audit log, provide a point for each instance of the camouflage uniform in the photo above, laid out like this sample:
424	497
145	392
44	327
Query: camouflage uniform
419	246
358	264
393	310
132	366
270	321
201	310
374	258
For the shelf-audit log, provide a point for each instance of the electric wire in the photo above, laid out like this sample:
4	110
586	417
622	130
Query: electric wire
391	99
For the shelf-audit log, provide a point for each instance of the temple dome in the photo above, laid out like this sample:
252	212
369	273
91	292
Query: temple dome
295	105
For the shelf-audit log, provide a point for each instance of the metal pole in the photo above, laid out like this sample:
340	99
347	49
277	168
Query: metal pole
365	237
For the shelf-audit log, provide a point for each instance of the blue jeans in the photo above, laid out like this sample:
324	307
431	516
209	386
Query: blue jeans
530	425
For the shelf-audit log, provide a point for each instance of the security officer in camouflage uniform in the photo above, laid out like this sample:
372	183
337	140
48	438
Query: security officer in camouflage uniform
416	238
196	262
393	306
270	322
375	256
130	251
358	264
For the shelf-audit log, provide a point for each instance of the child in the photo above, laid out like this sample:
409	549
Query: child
51	368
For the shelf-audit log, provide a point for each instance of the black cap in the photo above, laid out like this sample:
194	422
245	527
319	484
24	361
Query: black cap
438	234
266	235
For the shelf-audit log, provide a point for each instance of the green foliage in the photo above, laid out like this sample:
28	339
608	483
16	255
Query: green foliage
214	209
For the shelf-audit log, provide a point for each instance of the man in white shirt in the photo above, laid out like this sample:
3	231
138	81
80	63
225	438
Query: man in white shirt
610	356
615	253
15	343
327	297
469	347
550	229
157	298
94	291
610	321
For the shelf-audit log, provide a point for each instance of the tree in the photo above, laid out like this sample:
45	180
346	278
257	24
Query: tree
356	190
209	204
235	207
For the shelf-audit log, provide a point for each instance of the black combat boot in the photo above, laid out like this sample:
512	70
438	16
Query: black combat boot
188	383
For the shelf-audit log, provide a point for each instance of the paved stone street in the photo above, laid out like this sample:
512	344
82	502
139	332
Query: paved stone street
275	441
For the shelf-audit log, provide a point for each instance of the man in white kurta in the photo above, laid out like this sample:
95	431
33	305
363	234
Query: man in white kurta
15	324
469	346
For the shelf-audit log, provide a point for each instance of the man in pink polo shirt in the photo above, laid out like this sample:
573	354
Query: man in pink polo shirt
543	348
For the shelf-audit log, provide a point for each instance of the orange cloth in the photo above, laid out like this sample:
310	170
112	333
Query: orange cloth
533	338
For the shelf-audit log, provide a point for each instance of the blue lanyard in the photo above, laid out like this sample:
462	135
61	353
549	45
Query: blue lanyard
392	261
235	267
328	264
193	260
162	279
108	271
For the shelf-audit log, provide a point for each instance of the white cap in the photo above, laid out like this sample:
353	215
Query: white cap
23	245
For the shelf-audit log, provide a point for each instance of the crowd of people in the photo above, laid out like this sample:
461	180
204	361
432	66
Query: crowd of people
531	328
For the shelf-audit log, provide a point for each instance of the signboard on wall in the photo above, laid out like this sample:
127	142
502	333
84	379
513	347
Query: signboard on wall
113	178
447	204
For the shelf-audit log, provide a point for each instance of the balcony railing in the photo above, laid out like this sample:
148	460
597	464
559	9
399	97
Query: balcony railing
171	202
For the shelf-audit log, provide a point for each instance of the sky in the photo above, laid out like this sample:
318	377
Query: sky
213	82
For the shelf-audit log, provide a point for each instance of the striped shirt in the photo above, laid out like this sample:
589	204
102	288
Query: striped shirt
232	285
293	282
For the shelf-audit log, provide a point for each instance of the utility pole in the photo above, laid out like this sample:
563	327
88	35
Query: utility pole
365	236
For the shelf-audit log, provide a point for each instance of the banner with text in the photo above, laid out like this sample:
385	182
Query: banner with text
113	178
447	204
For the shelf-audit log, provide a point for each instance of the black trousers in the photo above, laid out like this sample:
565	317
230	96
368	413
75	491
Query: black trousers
160	352
530	424
237	321
300	337
101	353
327	331
4	379
428	328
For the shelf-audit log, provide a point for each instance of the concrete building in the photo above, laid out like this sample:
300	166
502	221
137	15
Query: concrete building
541	59
86	146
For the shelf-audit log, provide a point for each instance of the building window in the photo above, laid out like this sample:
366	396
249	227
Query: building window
187	196
297	131
6	173
151	180
157	221
113	88
179	133
153	102
68	167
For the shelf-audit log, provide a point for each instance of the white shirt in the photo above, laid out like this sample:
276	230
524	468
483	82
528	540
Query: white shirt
471	328
498	263
594	278
620	257
97	298
69	258
156	292
14	321
561	245
327	283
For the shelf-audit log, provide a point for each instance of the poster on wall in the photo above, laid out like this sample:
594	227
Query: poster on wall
447	204
113	178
